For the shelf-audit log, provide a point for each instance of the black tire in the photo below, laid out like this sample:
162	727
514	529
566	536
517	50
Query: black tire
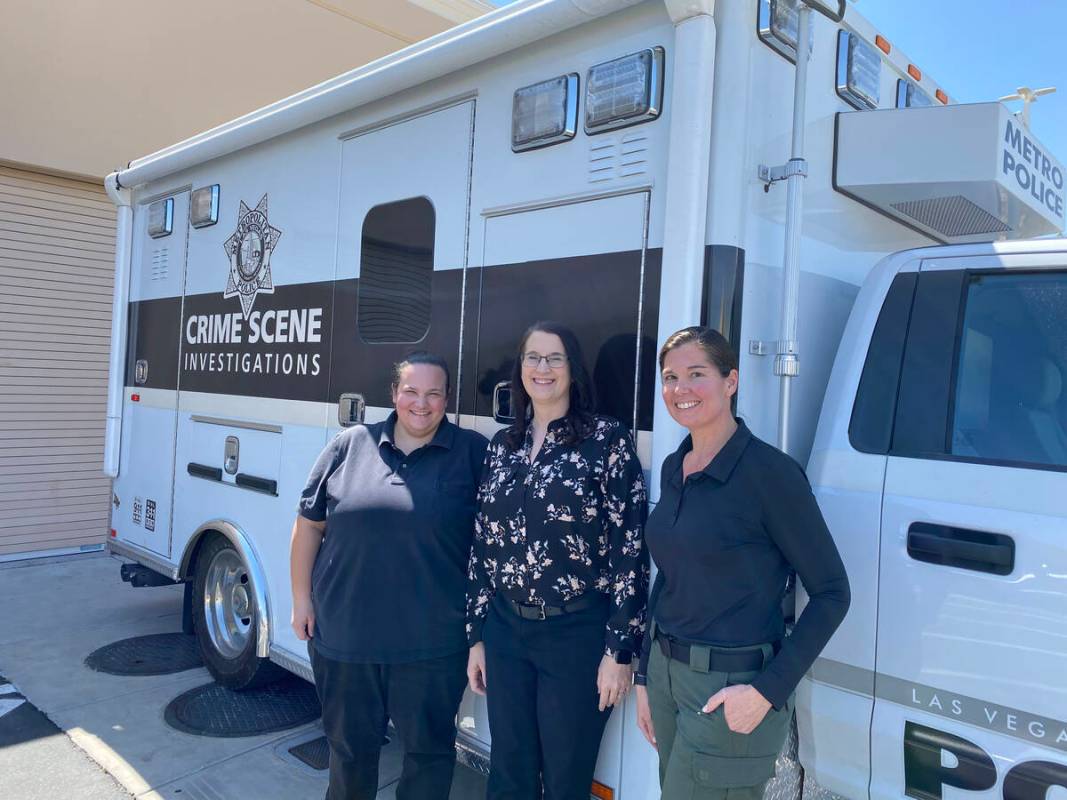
226	622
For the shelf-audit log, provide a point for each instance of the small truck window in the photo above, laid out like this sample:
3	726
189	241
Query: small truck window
396	272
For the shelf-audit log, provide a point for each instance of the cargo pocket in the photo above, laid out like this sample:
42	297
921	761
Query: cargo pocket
769	736
730	760
731	772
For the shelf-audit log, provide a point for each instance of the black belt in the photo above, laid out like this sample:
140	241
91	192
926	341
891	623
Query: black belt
540	611
719	659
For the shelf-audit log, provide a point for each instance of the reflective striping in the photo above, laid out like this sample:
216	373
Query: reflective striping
975	712
1002	720
843	676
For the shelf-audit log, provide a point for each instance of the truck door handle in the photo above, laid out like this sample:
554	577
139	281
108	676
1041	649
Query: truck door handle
950	546
351	408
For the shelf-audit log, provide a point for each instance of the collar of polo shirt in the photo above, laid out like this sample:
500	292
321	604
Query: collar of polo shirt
445	435
722	466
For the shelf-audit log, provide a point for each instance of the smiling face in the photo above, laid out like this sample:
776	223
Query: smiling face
694	391
420	398
545	385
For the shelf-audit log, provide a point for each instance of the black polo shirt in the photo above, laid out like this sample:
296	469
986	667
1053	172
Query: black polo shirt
725	542
389	581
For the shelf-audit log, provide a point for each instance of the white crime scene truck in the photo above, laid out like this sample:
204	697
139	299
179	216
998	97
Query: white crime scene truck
774	168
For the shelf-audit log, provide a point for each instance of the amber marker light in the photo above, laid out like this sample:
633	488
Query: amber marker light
601	792
942	96
915	72
883	44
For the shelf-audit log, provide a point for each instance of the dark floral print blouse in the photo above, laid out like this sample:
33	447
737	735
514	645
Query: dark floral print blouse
571	522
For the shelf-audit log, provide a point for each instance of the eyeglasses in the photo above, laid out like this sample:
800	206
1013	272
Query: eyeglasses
554	361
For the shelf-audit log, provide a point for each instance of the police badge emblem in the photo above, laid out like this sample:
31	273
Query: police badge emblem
249	250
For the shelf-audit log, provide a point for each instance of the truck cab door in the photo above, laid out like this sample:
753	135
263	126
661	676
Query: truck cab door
972	586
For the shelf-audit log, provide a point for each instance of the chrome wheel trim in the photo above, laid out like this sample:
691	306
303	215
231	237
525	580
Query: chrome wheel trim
228	608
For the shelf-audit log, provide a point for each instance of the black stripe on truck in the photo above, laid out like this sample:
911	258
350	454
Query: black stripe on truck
597	295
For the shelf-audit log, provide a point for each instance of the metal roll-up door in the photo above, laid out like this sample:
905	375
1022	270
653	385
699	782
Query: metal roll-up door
57	238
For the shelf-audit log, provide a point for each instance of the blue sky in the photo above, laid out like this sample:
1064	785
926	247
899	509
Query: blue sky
980	50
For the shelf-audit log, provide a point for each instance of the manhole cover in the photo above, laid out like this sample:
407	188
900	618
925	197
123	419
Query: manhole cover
213	710
158	654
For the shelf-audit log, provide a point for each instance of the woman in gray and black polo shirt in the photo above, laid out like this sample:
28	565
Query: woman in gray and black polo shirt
379	562
734	517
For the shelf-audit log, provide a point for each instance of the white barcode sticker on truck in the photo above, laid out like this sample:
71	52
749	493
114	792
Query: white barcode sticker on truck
138	510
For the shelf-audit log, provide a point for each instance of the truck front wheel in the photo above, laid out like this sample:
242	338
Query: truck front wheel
225	618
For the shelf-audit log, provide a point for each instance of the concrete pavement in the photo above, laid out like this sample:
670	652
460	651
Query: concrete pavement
59	611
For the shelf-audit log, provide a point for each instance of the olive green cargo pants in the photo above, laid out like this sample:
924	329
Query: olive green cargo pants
700	758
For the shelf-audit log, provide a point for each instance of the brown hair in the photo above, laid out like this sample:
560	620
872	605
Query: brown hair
714	344
579	422
422	357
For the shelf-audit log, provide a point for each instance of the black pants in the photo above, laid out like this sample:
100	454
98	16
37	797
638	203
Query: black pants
358	700
542	702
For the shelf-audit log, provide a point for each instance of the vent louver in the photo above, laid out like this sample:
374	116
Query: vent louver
952	216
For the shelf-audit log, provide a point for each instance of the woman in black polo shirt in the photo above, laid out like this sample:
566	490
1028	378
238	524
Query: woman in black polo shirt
379	559
558	575
734	518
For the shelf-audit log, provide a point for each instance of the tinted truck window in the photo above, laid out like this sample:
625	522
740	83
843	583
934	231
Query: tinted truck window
1009	400
871	428
396	272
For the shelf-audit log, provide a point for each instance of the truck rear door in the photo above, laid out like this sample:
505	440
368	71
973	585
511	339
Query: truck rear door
143	510
970	696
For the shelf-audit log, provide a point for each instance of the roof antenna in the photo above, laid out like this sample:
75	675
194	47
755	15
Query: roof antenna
1028	96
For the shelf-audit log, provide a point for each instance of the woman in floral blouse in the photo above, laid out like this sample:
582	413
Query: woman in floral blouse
558	575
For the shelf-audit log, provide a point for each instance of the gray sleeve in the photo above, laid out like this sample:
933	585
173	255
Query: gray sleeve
314	498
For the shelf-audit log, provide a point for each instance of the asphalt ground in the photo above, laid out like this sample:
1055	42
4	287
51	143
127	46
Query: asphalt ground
39	762
70	732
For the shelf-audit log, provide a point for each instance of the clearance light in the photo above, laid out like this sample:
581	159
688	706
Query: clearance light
161	218
204	206
859	71
882	44
911	96
545	113
625	91
777	25
915	72
135	398
940	95
834	9
599	791
114	534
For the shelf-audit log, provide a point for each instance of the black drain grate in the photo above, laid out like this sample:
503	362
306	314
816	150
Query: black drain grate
213	710
316	753
157	654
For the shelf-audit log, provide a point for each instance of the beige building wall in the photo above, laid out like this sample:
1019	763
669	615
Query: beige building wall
56	242
87	86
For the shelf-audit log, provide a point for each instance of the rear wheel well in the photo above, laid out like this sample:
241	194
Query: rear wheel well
227	603
188	567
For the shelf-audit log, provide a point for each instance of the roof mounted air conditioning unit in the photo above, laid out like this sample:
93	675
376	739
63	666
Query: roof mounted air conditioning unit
962	173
